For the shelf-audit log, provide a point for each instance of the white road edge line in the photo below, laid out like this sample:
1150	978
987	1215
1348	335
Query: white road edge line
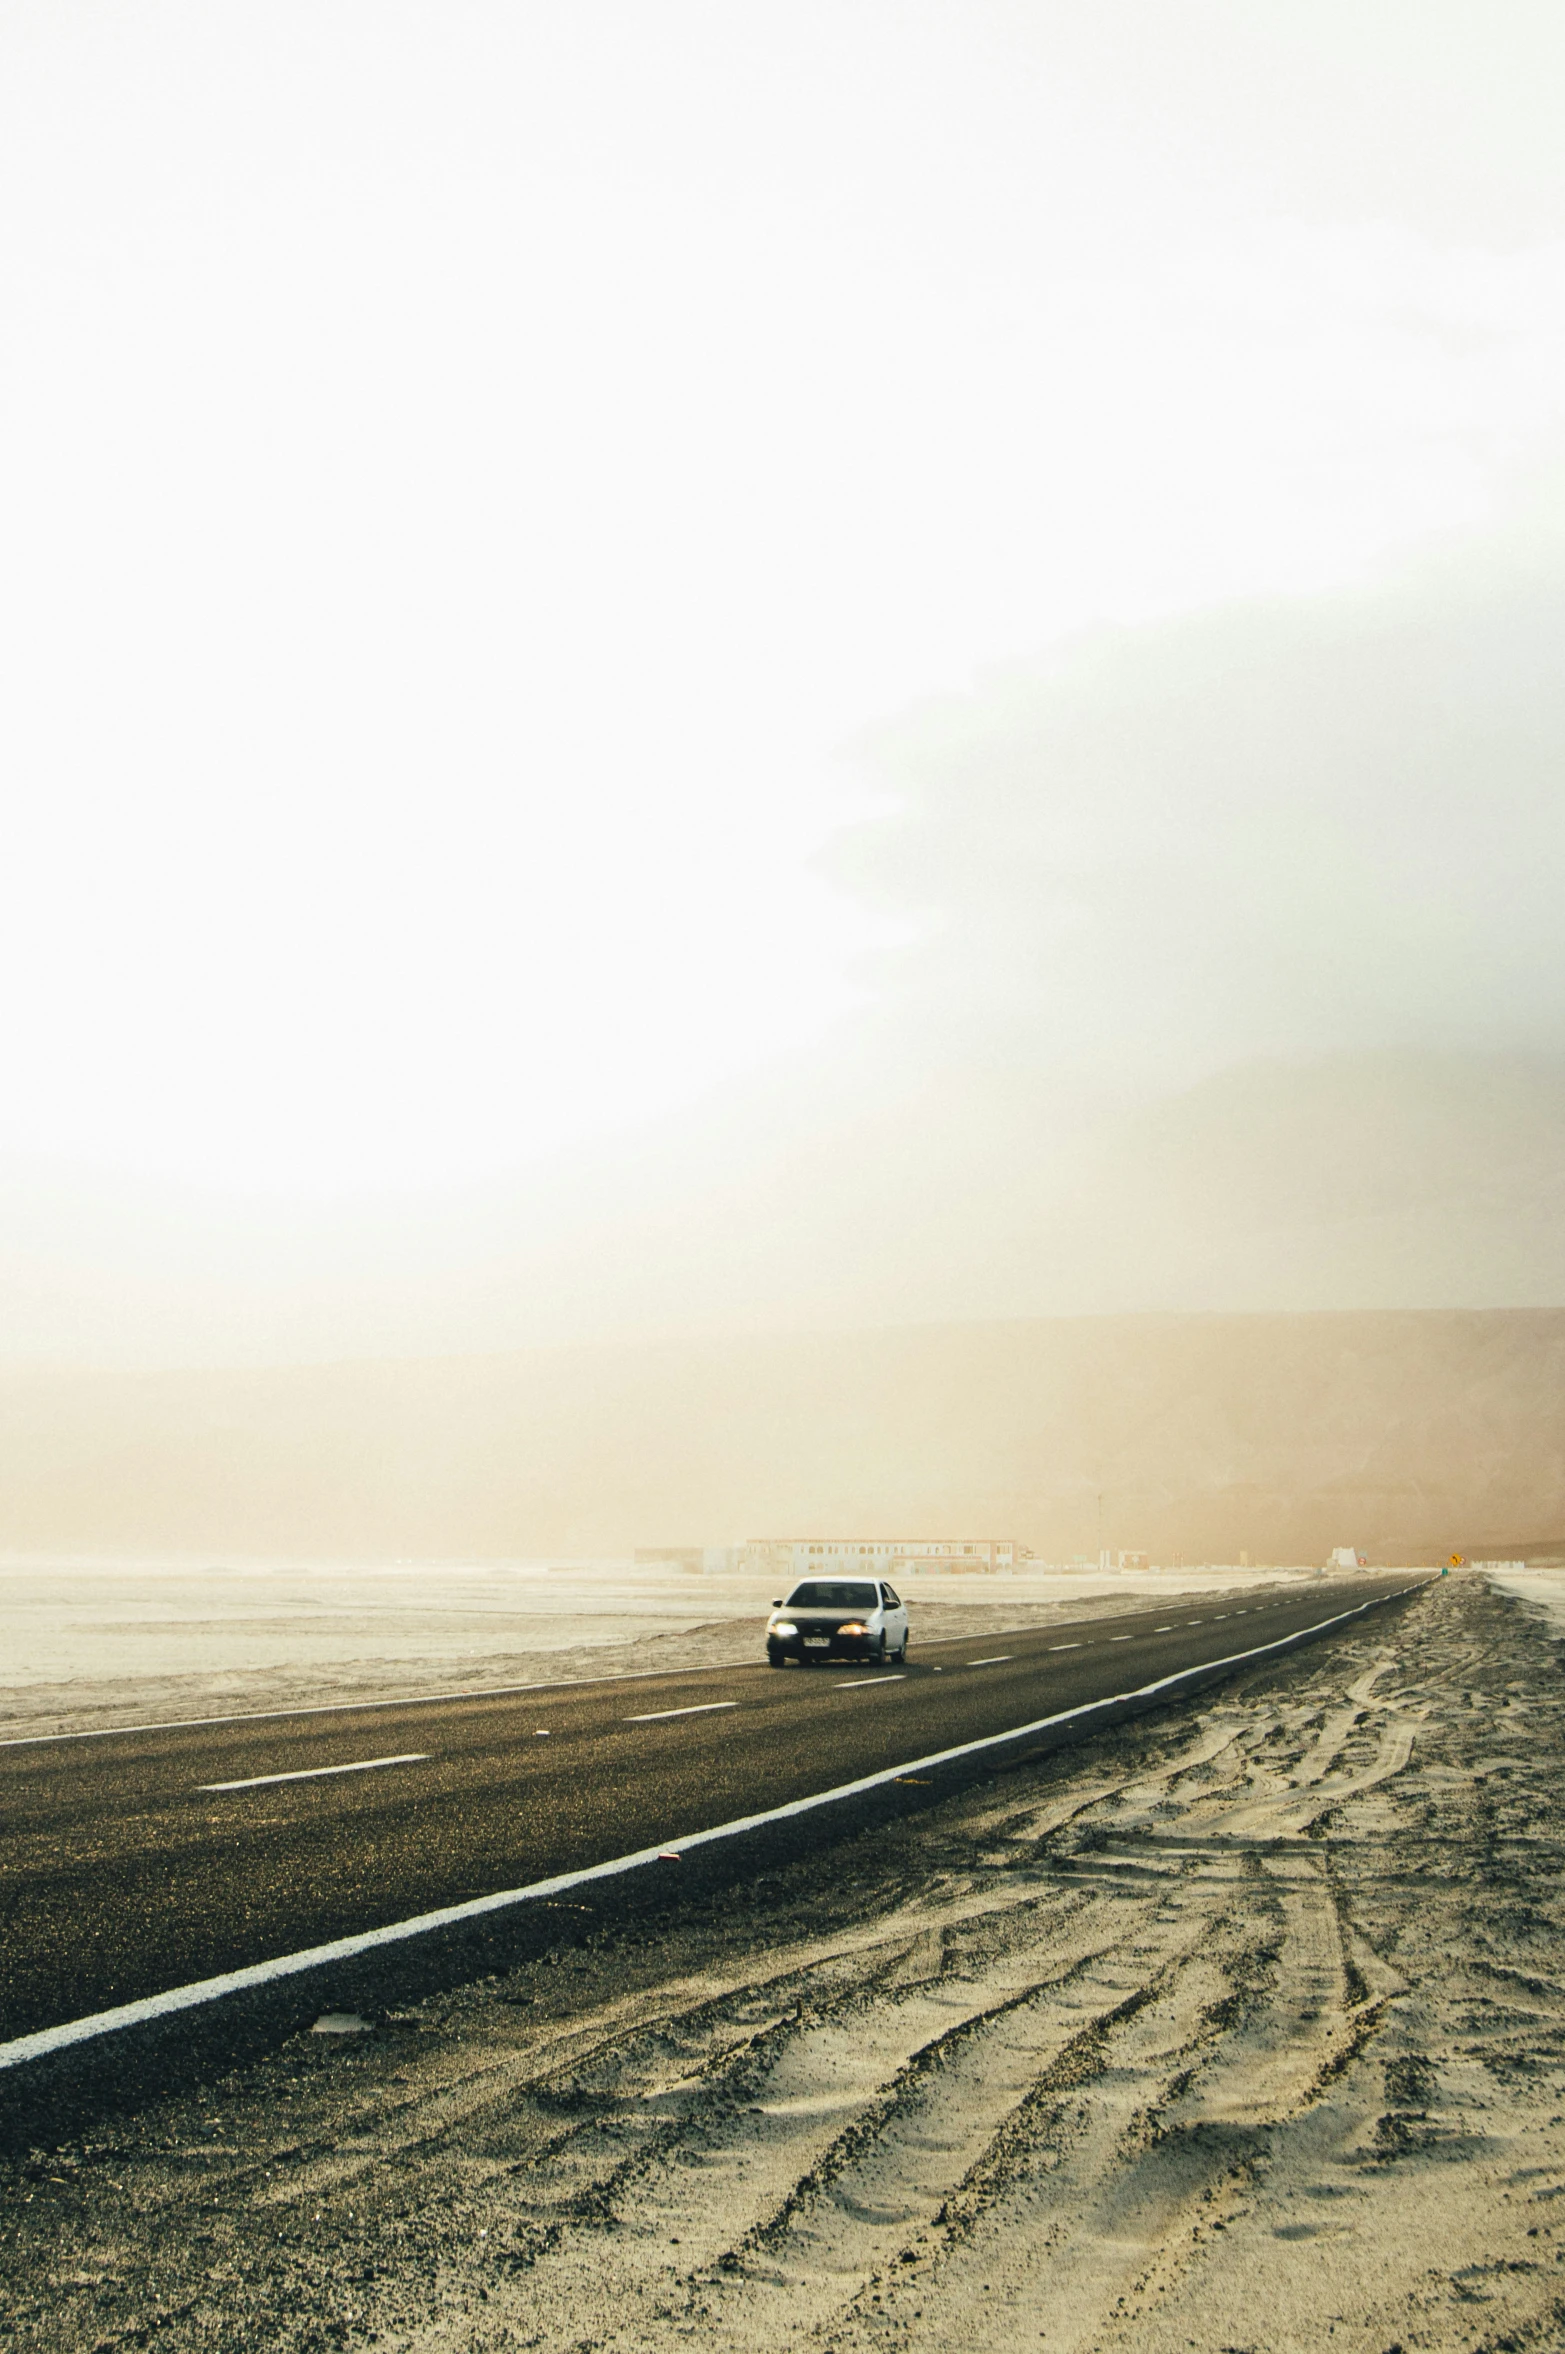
655	1716
342	1949
862	1683
360	1765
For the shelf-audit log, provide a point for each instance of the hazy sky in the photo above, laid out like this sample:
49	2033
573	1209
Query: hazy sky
494	497
1281	826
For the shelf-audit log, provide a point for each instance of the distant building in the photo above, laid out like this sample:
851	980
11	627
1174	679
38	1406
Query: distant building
1134	1560
888	1557
1345	1557
695	1560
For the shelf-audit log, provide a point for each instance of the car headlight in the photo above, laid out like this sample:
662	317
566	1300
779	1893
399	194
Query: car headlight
783	1626
855	1626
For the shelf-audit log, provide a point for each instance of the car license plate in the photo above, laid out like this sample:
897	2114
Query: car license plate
817	1642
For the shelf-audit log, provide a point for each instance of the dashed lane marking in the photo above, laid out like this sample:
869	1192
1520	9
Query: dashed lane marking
1070	1646
860	1683
998	1660
655	1716
536	1684
23	2048
360	1765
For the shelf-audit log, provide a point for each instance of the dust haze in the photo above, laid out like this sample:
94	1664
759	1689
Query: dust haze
772	777
668	701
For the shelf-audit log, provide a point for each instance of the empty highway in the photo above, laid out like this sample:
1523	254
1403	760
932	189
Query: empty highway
137	1862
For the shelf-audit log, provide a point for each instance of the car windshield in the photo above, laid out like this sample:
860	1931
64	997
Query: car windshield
825	1596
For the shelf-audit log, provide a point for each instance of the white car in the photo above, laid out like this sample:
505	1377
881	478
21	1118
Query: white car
838	1618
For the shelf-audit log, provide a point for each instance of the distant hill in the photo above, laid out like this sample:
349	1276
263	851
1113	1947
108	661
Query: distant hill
1403	1432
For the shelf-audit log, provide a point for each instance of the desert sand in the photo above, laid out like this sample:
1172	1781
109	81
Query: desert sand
1241	2027
87	1645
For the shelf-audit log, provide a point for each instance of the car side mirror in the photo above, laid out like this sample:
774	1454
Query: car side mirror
777	1602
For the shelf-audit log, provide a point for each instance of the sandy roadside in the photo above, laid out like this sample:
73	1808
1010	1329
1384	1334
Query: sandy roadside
1240	2028
89	1647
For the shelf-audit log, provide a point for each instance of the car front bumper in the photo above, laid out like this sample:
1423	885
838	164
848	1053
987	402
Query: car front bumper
834	1646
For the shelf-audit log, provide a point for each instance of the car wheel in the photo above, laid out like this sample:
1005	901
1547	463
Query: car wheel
880	1650
775	1659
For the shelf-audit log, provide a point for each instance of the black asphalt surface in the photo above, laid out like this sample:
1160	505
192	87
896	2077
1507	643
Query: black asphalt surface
124	1874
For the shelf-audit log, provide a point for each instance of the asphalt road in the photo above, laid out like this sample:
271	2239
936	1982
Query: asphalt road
132	1863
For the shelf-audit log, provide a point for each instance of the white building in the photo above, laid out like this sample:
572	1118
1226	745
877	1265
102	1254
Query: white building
787	1558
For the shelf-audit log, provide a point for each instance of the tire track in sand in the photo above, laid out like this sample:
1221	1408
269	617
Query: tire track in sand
1230	2029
